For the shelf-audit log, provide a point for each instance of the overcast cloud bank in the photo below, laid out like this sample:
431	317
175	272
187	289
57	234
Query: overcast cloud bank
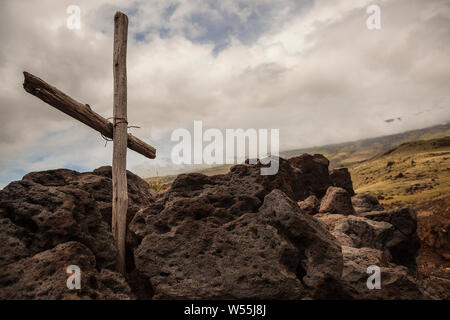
309	68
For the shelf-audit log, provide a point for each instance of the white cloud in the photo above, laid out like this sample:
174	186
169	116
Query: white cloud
319	75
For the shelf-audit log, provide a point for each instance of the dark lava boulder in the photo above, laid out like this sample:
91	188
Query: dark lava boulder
314	173
51	207
367	243
310	205
275	252
44	276
366	203
336	200
239	235
52	219
404	244
341	178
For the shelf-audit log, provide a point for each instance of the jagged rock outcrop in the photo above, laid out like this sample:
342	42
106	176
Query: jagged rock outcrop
277	252
396	282
341	178
43	276
435	234
139	194
241	235
357	232
370	242
404	243
313	173
310	205
336	200
47	208
55	207
366	203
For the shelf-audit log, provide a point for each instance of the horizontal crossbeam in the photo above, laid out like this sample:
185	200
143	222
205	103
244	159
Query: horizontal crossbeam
82	112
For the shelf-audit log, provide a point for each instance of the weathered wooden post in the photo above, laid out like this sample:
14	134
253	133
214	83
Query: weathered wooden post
116	130
119	163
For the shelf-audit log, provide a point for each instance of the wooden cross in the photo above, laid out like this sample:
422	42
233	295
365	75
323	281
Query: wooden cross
116	130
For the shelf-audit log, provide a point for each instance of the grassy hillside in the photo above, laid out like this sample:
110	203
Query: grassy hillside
415	174
348	153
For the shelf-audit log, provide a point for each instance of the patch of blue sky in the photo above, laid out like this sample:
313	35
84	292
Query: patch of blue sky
219	25
12	174
214	22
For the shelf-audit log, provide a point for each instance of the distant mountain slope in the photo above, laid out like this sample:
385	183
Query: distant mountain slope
345	154
415	174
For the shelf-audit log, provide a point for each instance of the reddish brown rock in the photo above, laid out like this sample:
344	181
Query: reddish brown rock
336	200
434	231
396	283
43	276
366	203
277	252
48	208
314	173
310	205
404	244
341	178
367	243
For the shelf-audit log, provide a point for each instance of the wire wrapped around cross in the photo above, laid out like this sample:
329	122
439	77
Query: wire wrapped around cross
117	120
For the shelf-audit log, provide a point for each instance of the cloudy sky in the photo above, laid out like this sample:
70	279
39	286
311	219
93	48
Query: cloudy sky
308	67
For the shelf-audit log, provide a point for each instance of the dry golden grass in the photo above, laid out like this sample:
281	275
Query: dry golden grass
415	174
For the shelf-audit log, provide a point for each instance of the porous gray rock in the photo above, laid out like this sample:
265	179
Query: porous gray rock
366	203
240	235
404	244
341	178
364	232
310	205
48	208
395	281
336	200
44	276
314	173
276	252
365	243
398	240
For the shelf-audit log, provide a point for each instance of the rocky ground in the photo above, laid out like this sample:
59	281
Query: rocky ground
300	234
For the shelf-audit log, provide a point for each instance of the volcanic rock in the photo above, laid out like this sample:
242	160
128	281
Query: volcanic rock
366	203
396	282
314	173
341	178
336	200
435	233
239	235
48	208
405	243
310	205
367	243
44	276
276	252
